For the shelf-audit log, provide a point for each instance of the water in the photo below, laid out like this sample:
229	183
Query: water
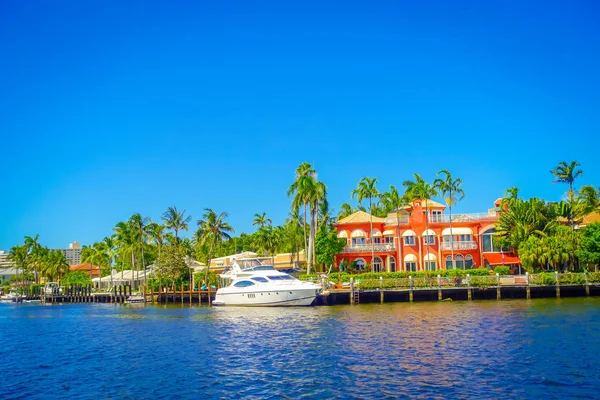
543	348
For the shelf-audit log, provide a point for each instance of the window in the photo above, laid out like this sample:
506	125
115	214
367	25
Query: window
449	262
377	263
409	240
489	242
392	264
360	241
359	264
259	279
243	284
430	266
459	261
377	240
389	240
436	216
469	261
275	278
410	265
465	238
429	239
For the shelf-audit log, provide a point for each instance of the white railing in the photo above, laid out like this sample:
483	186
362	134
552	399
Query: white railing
394	220
367	248
460	245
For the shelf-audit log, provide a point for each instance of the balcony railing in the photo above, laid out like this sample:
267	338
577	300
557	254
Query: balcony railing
444	219
364	248
460	245
488	216
394	220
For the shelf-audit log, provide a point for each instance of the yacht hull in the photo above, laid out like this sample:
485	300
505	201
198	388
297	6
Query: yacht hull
271	298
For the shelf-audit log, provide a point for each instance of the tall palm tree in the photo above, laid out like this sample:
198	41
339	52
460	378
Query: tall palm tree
56	265
367	190
299	190
110	246
176	220
293	225
156	233
452	193
125	238
316	197
419	189
567	173
261	220
212	229
19	255
392	200
587	201
140	225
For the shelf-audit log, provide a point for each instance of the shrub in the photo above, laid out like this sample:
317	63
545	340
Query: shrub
502	270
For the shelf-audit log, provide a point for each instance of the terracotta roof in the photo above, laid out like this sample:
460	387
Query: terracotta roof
591	218
85	268
358	217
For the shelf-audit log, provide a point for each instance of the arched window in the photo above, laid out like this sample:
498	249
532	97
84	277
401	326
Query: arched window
392	264
410	262
449	262
459	261
377	264
468	261
359	238
359	264
430	263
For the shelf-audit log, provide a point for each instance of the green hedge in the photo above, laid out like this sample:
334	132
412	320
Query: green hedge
345	276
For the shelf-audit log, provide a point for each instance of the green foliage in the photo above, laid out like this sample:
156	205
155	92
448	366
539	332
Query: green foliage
328	245
590	244
502	270
339	277
170	265
77	278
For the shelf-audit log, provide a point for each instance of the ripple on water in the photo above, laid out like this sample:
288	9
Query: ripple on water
539	348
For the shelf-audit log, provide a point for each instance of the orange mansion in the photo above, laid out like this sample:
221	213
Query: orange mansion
406	241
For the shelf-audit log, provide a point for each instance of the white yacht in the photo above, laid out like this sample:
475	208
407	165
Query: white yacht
12	297
255	284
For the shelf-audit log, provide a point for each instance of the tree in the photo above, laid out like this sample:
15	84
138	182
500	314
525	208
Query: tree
328	245
419	189
261	220
212	229
567	173
77	278
176	220
452	193
587	201
140	226
170	265
316	197
56	265
590	245
300	190
345	210
367	190
393	201
19	255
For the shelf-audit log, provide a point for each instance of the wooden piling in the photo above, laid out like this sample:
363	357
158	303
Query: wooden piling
557	285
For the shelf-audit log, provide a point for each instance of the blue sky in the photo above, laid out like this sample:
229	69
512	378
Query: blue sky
111	108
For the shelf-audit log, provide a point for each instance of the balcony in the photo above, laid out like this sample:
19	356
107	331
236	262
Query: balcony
439	219
460	245
366	248
394	221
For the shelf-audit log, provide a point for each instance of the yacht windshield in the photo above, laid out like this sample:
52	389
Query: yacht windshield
259	279
243	284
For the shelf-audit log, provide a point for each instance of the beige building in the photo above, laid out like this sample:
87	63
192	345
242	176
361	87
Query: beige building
73	253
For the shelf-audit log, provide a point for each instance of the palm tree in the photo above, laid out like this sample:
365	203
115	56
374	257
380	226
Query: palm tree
366	189
393	201
212	229
587	201
567	173
156	233
345	210
56	265
176	220
126	241
19	255
261	220
452	193
316	197
419	189
293	226
304	180
140	225
110	246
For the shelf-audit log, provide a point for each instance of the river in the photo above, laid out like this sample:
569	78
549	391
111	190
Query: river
543	348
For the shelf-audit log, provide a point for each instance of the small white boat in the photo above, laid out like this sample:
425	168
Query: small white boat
12	297
256	284
135	299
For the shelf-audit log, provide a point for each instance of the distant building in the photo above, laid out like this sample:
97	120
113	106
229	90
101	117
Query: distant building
73	253
93	270
5	261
